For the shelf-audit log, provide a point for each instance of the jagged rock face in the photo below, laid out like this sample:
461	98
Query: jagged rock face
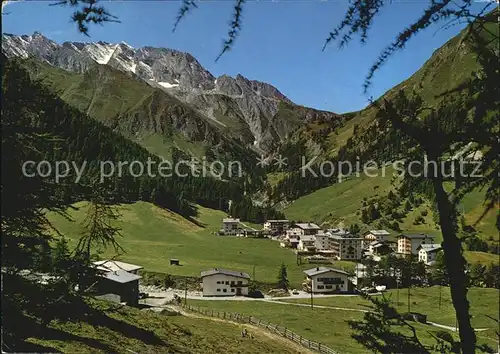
251	105
228	85
64	57
24	46
176	68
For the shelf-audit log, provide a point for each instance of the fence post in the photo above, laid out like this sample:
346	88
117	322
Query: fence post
224	314
309	341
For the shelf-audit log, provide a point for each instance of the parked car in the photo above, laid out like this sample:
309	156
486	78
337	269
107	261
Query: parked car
256	294
143	296
295	292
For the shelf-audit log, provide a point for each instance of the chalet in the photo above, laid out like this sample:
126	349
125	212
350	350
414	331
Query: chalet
307	243
307	229
339	232
118	286
223	282
326	280
292	238
276	226
381	248
409	243
427	253
113	266
230	226
377	235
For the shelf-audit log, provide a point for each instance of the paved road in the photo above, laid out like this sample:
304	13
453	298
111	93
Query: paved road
315	306
197	295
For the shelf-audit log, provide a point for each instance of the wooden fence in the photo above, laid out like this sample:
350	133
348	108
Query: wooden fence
282	331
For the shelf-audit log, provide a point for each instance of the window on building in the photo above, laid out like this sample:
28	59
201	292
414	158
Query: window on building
328	286
224	290
218	290
232	290
218	282
227	282
321	287
240	282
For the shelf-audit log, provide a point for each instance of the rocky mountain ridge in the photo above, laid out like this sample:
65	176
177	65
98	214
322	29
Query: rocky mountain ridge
246	108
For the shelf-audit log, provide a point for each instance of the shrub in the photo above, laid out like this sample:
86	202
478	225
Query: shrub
419	220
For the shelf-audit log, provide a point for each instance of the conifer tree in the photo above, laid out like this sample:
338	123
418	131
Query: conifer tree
283	282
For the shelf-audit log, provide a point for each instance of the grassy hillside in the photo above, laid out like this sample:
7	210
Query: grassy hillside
151	236
338	202
483	258
447	68
125	329
477	215
342	202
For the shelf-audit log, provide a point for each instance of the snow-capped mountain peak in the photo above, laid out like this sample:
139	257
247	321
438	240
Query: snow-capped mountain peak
170	70
101	52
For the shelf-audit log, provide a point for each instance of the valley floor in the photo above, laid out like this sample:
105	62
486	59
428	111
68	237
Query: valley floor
152	236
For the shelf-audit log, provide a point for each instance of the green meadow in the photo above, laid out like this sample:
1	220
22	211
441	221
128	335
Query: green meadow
342	203
151	236
484	304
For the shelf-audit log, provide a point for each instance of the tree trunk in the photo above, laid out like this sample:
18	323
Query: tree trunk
455	263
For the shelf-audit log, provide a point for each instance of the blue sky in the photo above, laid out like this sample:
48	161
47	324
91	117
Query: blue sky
280	42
